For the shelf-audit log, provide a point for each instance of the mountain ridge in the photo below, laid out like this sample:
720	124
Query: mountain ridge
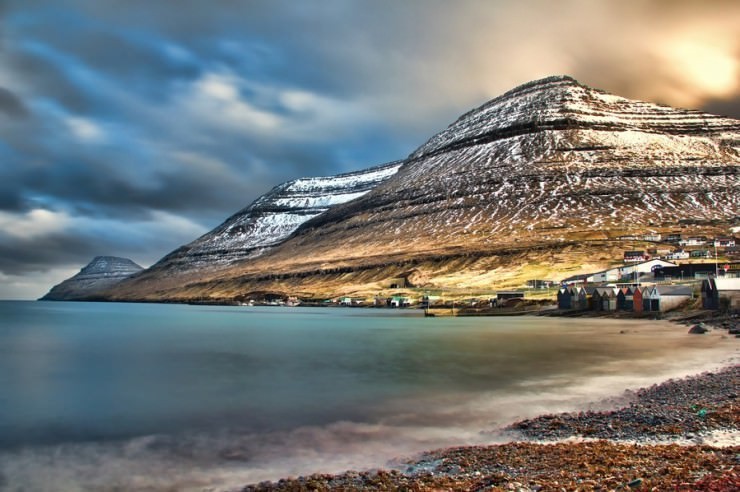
274	216
100	274
547	165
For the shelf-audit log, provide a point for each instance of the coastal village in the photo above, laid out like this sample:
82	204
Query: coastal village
678	270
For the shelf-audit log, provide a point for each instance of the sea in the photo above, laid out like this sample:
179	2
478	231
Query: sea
125	396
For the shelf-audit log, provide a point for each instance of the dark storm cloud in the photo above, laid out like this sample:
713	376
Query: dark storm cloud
19	257
11	105
724	107
40	240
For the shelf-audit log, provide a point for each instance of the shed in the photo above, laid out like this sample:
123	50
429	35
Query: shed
578	298
590	291
608	299
564	298
721	293
651	299
621	298
728	290
709	294
662	298
625	299
596	304
637	301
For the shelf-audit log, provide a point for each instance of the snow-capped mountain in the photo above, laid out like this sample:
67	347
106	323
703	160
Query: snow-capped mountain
101	273
550	159
548	165
271	218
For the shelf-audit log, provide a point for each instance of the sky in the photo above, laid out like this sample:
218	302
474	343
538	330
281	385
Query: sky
131	127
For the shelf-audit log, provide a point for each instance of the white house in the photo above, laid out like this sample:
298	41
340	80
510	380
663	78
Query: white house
724	242
678	255
693	241
626	271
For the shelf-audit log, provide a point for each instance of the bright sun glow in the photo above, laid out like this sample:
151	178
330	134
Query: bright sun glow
707	67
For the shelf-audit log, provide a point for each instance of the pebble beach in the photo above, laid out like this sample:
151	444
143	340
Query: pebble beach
678	435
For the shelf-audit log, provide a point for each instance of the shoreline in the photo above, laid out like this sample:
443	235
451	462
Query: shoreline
681	434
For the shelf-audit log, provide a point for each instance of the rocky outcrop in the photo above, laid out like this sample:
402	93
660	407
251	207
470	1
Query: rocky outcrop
100	274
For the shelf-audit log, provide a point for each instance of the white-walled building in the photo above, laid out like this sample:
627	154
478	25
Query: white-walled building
618	273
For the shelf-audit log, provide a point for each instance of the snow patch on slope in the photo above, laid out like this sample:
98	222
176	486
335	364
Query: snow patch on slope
273	217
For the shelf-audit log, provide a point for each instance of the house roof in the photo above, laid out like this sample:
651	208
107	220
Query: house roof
675	290
576	278
727	283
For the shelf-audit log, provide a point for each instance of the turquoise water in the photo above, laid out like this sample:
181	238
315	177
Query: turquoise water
100	394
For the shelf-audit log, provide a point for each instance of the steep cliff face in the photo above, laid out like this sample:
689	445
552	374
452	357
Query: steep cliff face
550	164
100	274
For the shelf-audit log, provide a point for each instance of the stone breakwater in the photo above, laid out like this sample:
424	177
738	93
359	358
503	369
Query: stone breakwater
688	409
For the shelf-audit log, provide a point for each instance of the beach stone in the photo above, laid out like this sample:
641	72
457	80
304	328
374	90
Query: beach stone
698	329
635	483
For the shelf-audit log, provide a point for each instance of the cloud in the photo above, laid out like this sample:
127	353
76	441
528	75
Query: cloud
32	285
84	129
725	107
216	97
11	105
32	224
41	240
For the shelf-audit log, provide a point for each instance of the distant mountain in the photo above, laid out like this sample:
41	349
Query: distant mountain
537	183
100	274
265	223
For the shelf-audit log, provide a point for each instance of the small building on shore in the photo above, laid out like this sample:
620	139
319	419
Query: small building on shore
607	299
721	293
625	298
399	301
505	296
637	300
660	298
565	298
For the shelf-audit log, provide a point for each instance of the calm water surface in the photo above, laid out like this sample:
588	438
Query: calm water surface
98	395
